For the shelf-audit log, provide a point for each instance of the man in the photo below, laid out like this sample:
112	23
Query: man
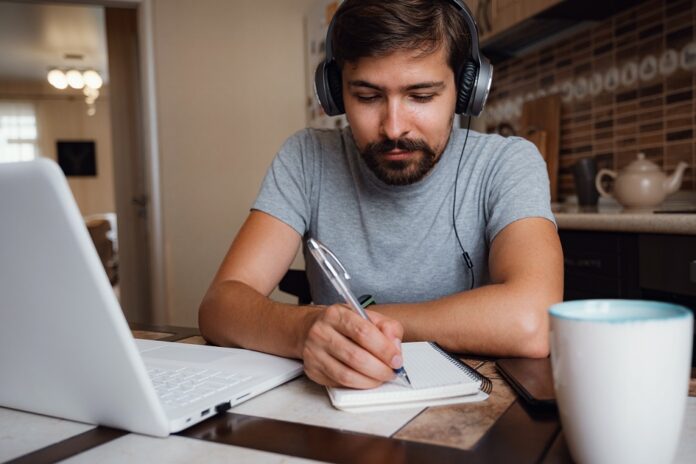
382	195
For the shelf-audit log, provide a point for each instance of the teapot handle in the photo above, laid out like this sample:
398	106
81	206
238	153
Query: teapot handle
598	181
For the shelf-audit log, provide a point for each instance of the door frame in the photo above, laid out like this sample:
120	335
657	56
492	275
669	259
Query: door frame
151	153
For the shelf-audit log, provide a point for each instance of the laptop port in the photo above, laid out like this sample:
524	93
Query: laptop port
222	407
205	412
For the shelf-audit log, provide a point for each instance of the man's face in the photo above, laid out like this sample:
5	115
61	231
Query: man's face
400	109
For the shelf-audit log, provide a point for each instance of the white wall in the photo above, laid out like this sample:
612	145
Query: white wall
67	120
61	115
230	88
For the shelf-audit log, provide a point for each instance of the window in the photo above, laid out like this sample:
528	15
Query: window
17	131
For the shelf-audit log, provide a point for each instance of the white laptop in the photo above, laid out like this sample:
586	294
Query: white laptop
65	347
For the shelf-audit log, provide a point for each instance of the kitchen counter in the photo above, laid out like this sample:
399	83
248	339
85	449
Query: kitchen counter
653	223
676	217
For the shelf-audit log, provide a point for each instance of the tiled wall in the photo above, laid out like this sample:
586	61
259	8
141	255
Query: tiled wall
627	85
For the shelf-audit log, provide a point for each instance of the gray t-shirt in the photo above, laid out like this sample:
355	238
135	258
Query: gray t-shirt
397	242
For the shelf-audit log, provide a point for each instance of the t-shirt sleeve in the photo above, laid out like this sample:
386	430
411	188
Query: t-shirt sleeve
519	187
286	189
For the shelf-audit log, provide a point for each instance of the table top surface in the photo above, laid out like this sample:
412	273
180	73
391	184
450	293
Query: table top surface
295	423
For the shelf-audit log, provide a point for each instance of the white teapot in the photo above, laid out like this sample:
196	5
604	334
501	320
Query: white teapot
641	185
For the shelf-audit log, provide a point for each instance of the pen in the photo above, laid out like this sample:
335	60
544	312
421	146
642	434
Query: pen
322	254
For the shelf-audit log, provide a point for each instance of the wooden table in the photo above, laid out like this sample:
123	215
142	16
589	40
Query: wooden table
500	429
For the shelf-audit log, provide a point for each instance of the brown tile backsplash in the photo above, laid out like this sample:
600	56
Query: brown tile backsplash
627	84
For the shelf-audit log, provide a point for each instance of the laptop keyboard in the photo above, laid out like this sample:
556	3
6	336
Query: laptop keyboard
185	385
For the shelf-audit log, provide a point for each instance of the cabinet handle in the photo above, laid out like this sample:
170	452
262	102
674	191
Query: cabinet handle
583	263
692	272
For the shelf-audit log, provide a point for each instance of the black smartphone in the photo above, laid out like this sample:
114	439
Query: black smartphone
530	378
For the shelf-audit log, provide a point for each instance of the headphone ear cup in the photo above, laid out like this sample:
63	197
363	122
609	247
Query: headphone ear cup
467	80
328	89
334	81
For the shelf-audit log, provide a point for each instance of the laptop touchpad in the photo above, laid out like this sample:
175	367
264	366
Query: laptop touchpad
185	354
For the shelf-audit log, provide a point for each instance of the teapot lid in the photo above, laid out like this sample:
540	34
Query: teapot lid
642	165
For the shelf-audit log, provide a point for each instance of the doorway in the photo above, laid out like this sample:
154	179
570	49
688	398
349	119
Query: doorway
42	120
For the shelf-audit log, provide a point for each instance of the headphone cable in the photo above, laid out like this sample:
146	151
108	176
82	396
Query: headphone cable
465	255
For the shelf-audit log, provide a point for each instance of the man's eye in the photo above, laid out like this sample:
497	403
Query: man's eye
367	98
422	98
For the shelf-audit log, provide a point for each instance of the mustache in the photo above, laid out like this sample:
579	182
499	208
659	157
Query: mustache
387	145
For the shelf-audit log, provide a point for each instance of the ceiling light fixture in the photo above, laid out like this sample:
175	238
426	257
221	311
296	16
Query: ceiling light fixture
90	81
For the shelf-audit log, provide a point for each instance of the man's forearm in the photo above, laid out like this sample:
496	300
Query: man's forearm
234	314
498	320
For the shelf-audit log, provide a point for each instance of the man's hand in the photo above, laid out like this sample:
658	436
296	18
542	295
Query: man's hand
343	349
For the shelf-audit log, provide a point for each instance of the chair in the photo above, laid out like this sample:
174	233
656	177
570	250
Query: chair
98	231
295	283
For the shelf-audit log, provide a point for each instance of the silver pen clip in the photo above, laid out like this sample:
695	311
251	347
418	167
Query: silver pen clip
324	256
321	248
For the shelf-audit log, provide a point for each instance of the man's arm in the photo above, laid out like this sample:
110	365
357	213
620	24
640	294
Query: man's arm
338	347
509	316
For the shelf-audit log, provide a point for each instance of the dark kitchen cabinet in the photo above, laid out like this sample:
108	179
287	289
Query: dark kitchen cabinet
505	14
658	267
600	265
629	265
496	16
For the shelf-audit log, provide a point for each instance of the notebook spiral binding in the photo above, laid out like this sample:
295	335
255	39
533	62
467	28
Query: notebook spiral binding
486	385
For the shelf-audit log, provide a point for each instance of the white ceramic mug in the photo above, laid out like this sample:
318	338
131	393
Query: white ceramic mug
621	373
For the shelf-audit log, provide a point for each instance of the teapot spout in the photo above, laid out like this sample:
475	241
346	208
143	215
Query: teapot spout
673	182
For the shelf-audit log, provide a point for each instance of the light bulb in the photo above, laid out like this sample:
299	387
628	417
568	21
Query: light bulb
57	79
90	92
92	79
75	79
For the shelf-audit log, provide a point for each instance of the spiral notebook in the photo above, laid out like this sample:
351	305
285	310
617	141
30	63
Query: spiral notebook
437	378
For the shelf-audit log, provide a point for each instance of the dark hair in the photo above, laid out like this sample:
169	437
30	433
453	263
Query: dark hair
374	28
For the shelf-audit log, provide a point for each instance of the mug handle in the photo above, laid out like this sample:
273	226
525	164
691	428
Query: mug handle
598	181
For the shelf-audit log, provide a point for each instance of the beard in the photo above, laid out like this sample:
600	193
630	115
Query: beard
400	172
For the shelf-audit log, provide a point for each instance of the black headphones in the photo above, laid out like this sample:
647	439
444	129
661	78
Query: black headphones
473	80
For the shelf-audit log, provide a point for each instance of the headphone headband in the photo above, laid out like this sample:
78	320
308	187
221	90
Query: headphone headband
474	79
473	28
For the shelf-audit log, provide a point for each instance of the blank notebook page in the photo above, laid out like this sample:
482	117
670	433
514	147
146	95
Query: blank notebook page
425	369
